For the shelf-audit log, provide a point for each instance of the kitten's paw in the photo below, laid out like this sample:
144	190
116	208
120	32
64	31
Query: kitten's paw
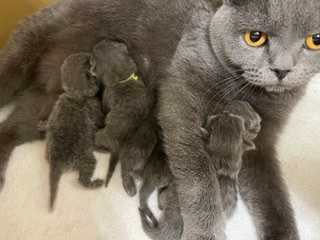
91	184
147	218
251	117
129	186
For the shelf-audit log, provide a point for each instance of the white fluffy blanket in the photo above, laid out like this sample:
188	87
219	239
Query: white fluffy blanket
109	214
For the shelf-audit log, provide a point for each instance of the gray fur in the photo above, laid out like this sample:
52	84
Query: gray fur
190	71
207	70
127	131
72	125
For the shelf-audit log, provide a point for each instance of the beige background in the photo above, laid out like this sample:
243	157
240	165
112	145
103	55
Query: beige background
11	11
108	214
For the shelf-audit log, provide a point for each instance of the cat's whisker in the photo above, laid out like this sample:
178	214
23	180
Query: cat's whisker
215	89
224	83
227	92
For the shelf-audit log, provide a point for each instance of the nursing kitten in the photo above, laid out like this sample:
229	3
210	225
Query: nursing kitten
192	59
157	177
72	125
127	131
228	136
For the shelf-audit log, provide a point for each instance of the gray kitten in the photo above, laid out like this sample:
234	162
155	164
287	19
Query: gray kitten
127	130
73	123
157	176
228	136
193	59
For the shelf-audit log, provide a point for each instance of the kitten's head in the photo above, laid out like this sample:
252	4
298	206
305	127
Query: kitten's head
112	62
76	78
272	44
225	136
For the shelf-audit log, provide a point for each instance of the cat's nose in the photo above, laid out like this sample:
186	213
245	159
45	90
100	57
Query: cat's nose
281	74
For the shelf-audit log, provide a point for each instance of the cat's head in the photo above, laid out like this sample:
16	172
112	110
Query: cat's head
272	44
112	62
76	78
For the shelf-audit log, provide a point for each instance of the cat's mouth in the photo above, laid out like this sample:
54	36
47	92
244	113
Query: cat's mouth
276	89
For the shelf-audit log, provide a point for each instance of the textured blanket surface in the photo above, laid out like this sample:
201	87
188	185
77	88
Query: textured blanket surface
108	214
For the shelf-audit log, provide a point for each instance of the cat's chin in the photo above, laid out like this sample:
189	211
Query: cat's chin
276	89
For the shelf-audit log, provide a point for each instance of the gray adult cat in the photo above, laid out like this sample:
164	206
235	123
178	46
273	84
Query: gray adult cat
72	125
263	52
212	64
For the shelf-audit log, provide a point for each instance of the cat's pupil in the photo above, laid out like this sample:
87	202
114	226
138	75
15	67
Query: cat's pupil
316	39
256	36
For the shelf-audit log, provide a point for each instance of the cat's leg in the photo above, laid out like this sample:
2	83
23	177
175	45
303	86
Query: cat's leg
170	225
86	168
113	162
22	125
127	175
265	194
196	178
144	195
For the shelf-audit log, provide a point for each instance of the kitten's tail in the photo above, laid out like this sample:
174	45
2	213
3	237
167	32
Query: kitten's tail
55	176
114	159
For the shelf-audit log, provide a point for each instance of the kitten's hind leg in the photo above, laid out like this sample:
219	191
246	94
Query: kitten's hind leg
114	159
22	125
54	178
128	181
86	170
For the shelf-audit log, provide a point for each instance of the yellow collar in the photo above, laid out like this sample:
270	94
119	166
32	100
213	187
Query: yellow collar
132	77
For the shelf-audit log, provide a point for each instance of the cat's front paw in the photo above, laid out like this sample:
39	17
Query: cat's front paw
88	183
251	117
129	185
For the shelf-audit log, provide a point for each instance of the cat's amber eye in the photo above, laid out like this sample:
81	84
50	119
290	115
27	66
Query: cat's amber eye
255	38
313	42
